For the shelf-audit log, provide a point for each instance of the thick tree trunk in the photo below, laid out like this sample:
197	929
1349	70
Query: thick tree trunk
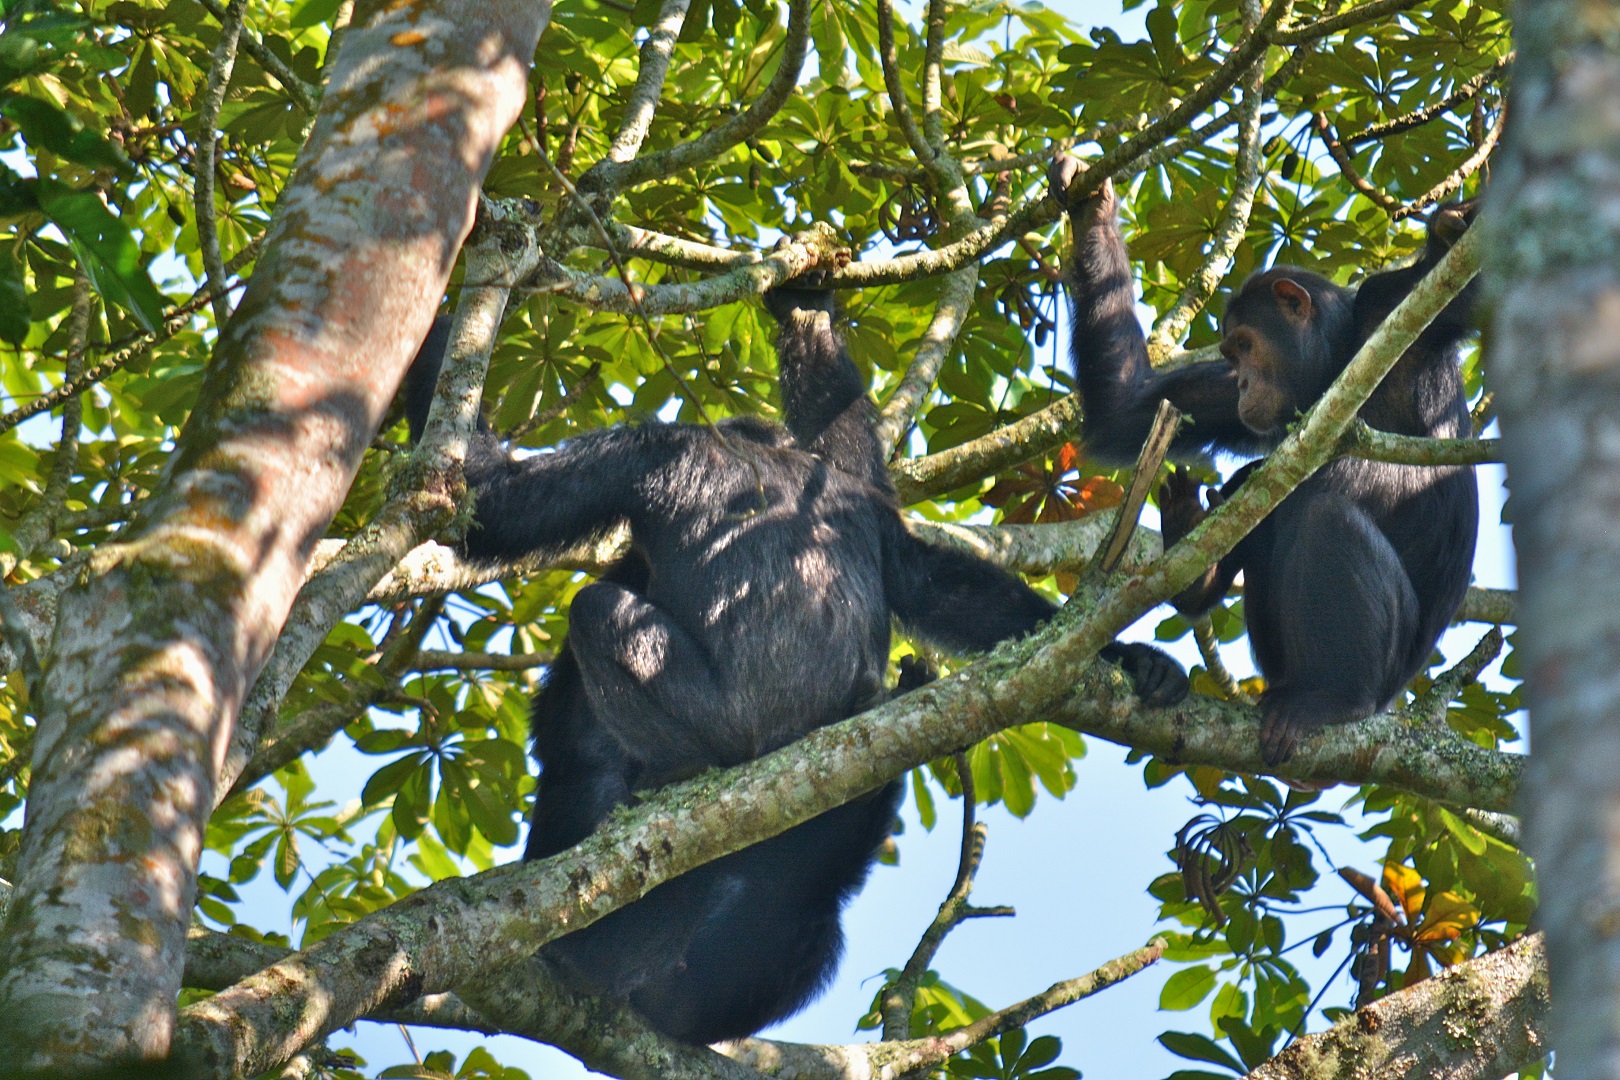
1554	218
154	650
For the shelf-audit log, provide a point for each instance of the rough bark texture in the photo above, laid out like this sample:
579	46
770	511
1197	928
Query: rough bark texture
155	648
1477	1021
1554	219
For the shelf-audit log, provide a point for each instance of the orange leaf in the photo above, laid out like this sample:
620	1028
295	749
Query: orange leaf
1101	493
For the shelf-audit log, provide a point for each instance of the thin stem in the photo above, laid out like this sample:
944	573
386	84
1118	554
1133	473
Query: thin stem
207	151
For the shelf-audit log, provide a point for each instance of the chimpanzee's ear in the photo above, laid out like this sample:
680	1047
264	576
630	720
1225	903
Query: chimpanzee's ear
1292	298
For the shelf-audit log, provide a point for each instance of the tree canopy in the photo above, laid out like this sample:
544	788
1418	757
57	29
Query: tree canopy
667	165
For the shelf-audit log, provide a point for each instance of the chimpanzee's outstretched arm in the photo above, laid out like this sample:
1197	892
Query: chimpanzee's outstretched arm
550	500
1121	391
824	398
960	601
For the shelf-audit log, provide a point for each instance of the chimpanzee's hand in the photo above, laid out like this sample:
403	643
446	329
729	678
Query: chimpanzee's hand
1180	508
1061	175
1448	223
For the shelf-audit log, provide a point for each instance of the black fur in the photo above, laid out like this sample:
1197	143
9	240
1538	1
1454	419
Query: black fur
1350	582
754	608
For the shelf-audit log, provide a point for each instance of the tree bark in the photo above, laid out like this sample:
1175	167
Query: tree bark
1554	221
156	645
1477	1021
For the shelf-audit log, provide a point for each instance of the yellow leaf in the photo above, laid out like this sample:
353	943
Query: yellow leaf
1405	886
1446	917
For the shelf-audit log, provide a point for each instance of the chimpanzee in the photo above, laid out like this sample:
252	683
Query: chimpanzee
753	608
1350	582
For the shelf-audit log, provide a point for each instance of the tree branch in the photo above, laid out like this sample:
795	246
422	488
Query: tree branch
305	96
898	105
711	144
1479	1020
1418	117
643	100
1367	442
1233	224
423	495
900	996
207	149
785	1061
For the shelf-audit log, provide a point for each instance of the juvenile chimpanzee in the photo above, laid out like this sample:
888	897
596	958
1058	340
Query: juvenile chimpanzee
753	609
1350	582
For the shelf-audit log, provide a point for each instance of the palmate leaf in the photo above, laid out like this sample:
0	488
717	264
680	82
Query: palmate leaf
105	249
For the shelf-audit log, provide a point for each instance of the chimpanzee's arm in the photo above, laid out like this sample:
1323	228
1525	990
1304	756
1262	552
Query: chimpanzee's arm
968	605
1121	391
549	500
824	398
955	599
1380	294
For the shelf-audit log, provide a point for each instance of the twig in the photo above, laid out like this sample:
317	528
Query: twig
1419	117
1157	445
1209	649
1347	167
305	96
1234	220
1321	28
900	996
736	129
207	149
1470	165
562	405
138	347
436	660
39	523
897	89
316	726
1430	706
1248	51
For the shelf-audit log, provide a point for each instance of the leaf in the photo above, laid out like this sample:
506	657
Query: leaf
1198	1048
50	128
13	298
1187	988
104	247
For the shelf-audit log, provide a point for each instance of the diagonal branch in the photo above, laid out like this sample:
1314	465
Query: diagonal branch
643	102
1232	226
716	141
423	496
305	96
1479	1020
900	996
1418	117
890	61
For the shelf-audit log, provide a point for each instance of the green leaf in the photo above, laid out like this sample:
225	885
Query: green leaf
1198	1048
105	248
50	128
13	298
1186	988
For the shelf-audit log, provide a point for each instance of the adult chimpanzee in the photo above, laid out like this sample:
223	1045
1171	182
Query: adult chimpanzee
1350	582
754	608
